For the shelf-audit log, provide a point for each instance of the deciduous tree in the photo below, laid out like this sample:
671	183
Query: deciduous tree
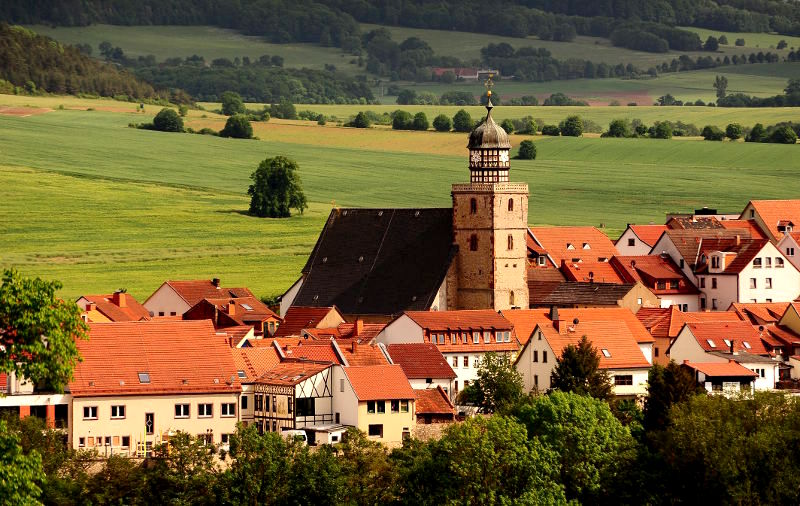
276	189
238	127
666	386
578	370
232	104
498	385
442	123
527	150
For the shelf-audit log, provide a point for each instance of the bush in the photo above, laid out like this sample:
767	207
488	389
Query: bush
442	123
551	130
661	130
406	97
757	134
283	110
167	120
462	121
734	131
713	133
723	40
232	104
572	126
402	120
508	126
527	150
420	122
783	135
182	110
525	126
237	127
619	128
361	121
739	42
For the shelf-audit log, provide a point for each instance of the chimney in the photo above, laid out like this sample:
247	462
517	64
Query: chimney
215	282
120	299
354	346
732	352
232	307
90	306
358	328
738	240
554	316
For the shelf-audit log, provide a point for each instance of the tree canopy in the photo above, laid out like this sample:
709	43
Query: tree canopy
578	370
498	385
276	189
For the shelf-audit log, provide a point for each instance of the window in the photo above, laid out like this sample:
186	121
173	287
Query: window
126	441
395	406
586	246
727	342
778	263
535	355
108	441
639	301
306	406
510	242
606	353
244	402
161	313
789	252
752	213
631	242
711	343
541	261
441	338
224	438
404	405
241	374
381	405
91	441
536	380
205	410
181	411
289	404
90	412
453	338
570	246
623	379
702	302
511	301
455	361
768	263
337	418
376	430
682	263
507	337
228	409
768	283
655	350
673	284
713	303
466	360
702	282
473	243
510	204
144	377
713	283
756	263
487	336
476	337
661	285
746	344
473	206
370	406
258	401
117	411
544	356
715	262
498	337
81	441
753	282
173	313
150	421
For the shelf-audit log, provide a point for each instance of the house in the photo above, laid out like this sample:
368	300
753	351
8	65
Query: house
116	307
573	244
720	342
252	363
624	346
293	395
345	352
173	298
574	294
377	400
638	240
21	398
683	245
789	245
662	276
235	312
299	318
728	378
434	406
139	382
424	365
462	337
362	332
775	217
761	313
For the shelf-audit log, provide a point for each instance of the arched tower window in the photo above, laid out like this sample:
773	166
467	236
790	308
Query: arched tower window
510	241
473	242
473	206
511	298
510	204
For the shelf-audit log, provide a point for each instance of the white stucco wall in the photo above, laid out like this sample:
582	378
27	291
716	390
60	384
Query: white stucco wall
691	301
288	298
785	280
725	293
345	401
638	249
165	300
401	330
530	369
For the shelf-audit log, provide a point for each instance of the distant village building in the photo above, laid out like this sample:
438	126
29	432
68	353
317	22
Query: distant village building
116	307
173	298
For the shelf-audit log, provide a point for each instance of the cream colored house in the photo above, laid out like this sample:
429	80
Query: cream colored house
173	298
638	240
140	382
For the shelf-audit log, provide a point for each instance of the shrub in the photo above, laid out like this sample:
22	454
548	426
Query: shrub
734	131
551	130
783	135
572	126
237	127
526	125
527	150
723	40
739	42
619	128
757	134
232	104
507	125
713	133
462	121
182	111
361	121
167	120
402	120
420	122
661	130
442	123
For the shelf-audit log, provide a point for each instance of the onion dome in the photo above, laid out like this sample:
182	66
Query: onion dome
489	150
489	135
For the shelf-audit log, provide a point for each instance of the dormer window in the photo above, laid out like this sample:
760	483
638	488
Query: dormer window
586	246
241	374
715	262
746	344
570	246
727	343
711	343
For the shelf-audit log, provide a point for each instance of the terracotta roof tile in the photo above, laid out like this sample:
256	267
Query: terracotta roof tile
367	332
474	319
420	360
761	312
597	294
433	401
568	243
169	351
320	351
783	335
298	318
687	242
652	269
118	307
254	361
679	318
694	223
591	271
378	382
655	320
751	225
745	251
737	332
291	372
773	212
193	291
362	354
715	369
648	234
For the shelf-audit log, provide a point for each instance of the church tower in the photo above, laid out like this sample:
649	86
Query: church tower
490	224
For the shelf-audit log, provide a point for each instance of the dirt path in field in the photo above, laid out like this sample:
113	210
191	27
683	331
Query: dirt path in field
23	112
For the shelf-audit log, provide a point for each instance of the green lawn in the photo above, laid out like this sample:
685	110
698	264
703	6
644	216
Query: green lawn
102	206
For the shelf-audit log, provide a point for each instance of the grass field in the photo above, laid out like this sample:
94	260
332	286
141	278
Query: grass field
760	41
102	206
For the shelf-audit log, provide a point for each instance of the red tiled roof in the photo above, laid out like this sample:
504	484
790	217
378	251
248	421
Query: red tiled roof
591	271
716	369
473	319
320	351
750	225
363	355
737	332
298	318
433	401
366	334
744	249
781	336
258	310
291	373
180	357
652	269
773	212
694	223
119	307
687	242
761	312
648	234
611	335
679	318
588	243
655	320
420	360
193	291
378	382
255	361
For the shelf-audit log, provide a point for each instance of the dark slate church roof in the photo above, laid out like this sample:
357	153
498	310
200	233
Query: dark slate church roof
379	261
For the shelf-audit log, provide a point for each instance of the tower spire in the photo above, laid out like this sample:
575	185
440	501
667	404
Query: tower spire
488	84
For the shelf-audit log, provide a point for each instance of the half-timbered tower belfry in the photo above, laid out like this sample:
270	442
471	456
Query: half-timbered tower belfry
490	223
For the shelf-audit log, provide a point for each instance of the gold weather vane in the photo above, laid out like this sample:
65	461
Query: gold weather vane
489	83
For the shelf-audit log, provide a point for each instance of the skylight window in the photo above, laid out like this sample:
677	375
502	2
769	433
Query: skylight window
570	246
727	342
746	344
586	246
711	343
247	307
606	353
144	377
241	374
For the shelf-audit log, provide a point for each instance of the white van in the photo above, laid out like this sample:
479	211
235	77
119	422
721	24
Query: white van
295	434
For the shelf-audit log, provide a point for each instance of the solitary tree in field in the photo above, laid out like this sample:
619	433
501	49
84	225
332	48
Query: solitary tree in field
721	85
578	370
572	126
167	120
238	127
276	189
527	150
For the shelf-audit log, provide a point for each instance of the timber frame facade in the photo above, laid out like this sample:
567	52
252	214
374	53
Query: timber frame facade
293	403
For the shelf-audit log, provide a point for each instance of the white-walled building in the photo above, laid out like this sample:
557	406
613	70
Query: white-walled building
173	298
638	240
424	365
789	246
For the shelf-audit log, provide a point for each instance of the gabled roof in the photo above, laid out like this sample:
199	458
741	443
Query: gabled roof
170	352
379	261
361	354
678	318
254	362
591	271
742	334
118	307
379	382
761	312
750	225
652	269
245	308
298	318
656	320
648	234
433	401
193	291
745	250
290	372
467	319
715	369
526	320
568	243
687	242
319	351
772	212
361	331
420	360
571	293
